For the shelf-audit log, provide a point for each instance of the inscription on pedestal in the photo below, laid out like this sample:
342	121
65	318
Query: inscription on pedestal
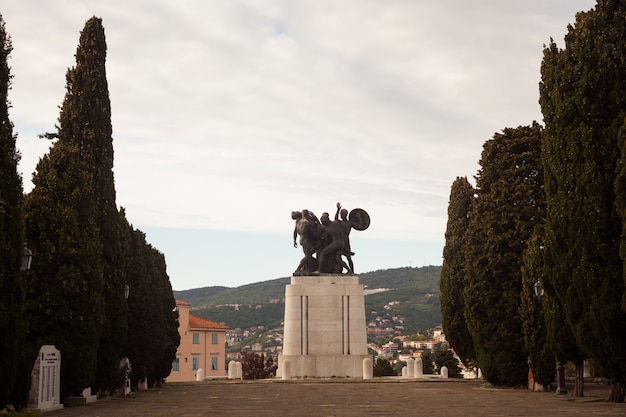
46	380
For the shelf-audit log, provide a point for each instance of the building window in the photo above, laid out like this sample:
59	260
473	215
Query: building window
196	338
176	364
214	338
214	363
195	363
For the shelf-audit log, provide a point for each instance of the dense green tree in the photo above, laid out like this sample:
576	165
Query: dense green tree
382	367
428	365
583	101
445	357
540	352
453	271
13	366
165	318
89	114
117	240
509	203
153	323
397	368
63	221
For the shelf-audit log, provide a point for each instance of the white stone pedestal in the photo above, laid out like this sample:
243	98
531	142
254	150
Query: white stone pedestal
324	327
45	391
85	398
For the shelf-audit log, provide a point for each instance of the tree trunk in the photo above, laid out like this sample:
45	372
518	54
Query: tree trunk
580	379
617	393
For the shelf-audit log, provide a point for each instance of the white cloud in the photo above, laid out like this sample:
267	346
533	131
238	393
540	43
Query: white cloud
230	114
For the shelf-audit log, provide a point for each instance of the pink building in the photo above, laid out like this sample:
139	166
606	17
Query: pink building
202	347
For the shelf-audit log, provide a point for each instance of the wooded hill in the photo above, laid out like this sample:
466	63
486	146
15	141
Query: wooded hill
261	304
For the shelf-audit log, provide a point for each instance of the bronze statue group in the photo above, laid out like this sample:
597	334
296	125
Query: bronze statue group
326	242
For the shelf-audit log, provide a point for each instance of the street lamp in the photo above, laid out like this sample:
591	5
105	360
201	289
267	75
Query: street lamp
27	258
538	287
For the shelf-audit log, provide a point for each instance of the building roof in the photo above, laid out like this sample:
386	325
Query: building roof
182	303
199	322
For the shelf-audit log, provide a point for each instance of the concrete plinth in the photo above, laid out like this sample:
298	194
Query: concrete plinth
324	327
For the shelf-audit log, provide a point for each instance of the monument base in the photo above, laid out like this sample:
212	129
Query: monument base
323	366
85	398
45	410
324	328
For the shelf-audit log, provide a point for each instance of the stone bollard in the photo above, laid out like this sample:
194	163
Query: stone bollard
444	372
232	370
286	370
368	369
419	368
410	368
200	375
405	372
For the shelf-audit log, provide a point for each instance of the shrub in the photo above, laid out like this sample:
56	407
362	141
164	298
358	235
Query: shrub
382	367
255	366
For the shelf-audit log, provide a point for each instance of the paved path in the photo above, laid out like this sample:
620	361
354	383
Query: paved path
346	397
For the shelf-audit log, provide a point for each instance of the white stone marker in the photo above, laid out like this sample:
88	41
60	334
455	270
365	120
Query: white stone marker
444	372
45	394
232	370
368	368
419	368
410	367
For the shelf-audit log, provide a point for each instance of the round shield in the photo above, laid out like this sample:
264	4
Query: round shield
359	218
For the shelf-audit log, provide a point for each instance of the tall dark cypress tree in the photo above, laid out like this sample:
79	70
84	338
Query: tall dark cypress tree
165	318
96	107
64	220
12	325
532	312
583	100
153	327
509	204
453	271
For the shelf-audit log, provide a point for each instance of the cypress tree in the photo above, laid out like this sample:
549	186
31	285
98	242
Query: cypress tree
508	205
165	318
13	366
583	100
540	352
453	271
116	240
64	220
96	107
151	345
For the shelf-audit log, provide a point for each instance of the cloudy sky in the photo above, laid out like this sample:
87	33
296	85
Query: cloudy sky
228	115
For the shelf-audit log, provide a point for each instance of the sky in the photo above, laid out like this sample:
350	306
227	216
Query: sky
229	114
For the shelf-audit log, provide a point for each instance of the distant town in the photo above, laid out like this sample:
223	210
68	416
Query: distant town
385	335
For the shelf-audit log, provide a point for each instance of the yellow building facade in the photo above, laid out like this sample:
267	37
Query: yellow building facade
202	350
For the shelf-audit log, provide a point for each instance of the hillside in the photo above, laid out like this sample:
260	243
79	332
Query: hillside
412	293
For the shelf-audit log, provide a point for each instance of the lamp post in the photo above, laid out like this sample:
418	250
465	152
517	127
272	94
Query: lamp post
560	369
27	258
